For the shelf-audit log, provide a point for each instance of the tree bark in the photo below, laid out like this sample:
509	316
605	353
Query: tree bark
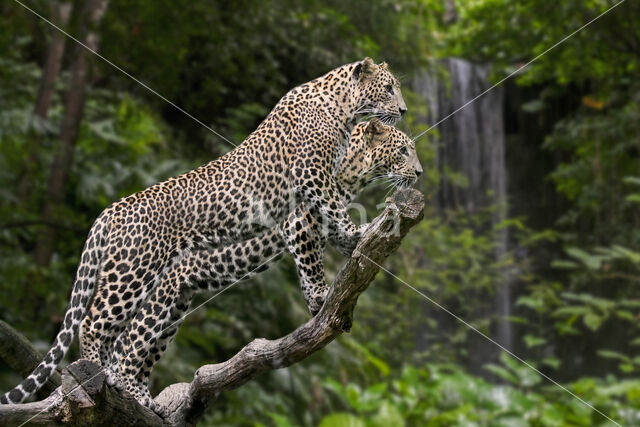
74	106
83	397
60	13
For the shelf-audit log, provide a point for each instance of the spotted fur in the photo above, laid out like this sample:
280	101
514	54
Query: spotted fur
375	151
292	155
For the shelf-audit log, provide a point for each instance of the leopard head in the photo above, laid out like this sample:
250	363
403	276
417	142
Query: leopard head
377	151
378	92
392	155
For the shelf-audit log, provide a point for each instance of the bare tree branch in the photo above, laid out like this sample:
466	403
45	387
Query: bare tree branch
84	399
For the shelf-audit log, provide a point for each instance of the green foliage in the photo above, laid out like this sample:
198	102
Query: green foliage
120	149
511	33
444	395
580	296
602	157
230	66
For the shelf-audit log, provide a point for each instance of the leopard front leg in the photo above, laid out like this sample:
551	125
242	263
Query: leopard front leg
306	245
320	194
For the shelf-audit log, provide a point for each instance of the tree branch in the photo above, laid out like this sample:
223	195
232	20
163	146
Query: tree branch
83	397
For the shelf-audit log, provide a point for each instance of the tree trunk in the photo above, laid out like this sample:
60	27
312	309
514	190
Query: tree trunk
83	398
74	106
60	13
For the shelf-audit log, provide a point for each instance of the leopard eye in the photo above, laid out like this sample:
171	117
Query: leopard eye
404	151
389	88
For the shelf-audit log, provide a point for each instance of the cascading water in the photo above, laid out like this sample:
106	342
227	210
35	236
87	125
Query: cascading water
471	143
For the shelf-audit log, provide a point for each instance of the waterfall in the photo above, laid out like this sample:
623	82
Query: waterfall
471	142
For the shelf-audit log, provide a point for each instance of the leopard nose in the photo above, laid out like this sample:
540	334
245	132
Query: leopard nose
402	111
418	172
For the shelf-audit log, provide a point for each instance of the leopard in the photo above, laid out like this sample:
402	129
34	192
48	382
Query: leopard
292	155
376	151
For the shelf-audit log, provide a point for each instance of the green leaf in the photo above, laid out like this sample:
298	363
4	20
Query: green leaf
592	321
341	419
501	372
533	106
627	253
511	222
552	361
611	354
527	301
533	341
564	264
602	304
633	198
572	311
388	415
279	420
353	394
592	262
626	367
380	364
624	314
525	375
631	180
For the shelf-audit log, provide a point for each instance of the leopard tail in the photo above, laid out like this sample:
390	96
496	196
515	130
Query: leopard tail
86	278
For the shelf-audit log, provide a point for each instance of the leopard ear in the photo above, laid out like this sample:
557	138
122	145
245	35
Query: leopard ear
364	69
384	66
374	128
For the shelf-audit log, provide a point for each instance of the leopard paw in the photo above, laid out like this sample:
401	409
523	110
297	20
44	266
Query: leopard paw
113	379
161	410
316	303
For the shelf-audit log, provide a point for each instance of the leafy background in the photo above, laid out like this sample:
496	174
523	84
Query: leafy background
573	202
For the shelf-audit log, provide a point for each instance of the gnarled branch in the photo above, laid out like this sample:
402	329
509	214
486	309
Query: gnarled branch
84	398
